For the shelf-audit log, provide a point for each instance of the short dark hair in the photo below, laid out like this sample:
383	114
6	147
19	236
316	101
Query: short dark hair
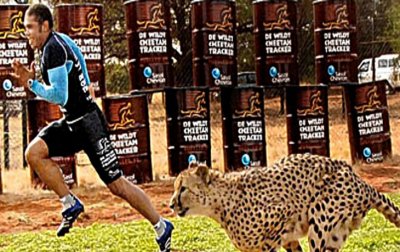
42	13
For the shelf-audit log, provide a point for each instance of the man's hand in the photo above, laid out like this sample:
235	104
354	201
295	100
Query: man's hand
21	73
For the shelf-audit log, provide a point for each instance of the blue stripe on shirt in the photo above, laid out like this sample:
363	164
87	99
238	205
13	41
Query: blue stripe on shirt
78	54
57	92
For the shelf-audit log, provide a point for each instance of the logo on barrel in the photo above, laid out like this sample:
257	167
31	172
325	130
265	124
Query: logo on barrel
315	107
254	109
126	120
17	29
199	110
373	103
157	19
92	27
367	152
7	85
341	20
226	24
282	22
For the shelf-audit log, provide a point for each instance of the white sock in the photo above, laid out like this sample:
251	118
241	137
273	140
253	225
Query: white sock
67	201
160	227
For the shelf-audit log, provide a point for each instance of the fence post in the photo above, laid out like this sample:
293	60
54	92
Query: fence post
6	116
24	131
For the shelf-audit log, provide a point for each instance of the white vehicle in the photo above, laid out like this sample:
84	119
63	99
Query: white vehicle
386	68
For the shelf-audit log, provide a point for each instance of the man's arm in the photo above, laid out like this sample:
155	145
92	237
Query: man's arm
57	91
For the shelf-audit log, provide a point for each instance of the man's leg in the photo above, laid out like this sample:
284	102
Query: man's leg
37	156
55	140
135	197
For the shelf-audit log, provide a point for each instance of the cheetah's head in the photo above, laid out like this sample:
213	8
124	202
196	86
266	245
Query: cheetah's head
190	190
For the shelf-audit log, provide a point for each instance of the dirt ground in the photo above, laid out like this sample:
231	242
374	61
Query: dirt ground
24	209
41	210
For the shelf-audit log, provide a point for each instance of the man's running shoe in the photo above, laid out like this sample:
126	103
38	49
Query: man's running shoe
69	216
164	242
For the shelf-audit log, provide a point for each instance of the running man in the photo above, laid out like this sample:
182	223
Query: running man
60	76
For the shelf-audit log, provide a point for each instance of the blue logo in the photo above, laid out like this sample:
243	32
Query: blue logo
273	72
246	159
147	72
216	73
331	70
367	152
7	85
192	158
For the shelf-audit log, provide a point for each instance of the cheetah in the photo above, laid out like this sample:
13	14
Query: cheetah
266	208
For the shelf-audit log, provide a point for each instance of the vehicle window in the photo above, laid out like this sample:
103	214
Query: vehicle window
391	62
242	79
364	67
382	63
252	78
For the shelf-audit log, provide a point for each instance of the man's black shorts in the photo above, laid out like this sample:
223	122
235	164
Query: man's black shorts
88	133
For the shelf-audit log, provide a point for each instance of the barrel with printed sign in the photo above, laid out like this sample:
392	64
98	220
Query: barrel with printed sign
214	43
148	31
84	24
128	123
307	119
243	127
188	127
335	36
275	37
368	122
13	45
41	114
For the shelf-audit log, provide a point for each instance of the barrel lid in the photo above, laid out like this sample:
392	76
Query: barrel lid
78	4
122	96
131	1
13	5
308	86
201	88
243	86
197	1
319	1
274	1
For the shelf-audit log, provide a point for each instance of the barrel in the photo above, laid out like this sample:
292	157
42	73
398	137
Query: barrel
188	127
214	43
368	122
13	45
307	120
128	122
40	114
243	127
335	36
275	40
148	29
84	24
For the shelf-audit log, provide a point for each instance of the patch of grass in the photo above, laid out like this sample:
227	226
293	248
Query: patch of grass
191	234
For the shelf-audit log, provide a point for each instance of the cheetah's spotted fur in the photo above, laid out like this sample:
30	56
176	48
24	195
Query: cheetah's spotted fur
266	208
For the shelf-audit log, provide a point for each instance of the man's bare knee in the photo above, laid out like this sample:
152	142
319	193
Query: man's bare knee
117	187
36	150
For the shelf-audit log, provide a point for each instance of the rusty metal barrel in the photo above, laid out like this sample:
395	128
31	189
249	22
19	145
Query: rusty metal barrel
243	127
84	24
188	127
13	45
368	122
148	24
128	123
307	119
214	43
275	38
40	114
335	36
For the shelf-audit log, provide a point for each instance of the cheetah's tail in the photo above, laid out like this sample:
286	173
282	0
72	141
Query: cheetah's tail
386	207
